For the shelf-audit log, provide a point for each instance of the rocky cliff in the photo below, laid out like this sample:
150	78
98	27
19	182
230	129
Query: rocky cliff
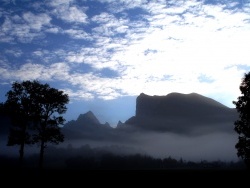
182	113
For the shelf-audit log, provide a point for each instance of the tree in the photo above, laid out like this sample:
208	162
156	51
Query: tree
17	107
242	125
37	107
50	103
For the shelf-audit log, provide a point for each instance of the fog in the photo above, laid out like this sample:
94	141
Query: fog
210	147
214	146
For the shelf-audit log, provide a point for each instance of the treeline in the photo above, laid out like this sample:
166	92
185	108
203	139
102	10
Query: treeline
144	162
87	158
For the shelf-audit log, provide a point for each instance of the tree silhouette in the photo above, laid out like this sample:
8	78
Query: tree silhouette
1	108
18	108
242	125
36	107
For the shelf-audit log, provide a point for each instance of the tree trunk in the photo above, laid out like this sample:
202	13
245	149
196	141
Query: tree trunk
21	153
21	150
41	155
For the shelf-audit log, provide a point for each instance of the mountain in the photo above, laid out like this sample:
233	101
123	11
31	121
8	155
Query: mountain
176	104
191	114
88	118
182	113
177	113
87	126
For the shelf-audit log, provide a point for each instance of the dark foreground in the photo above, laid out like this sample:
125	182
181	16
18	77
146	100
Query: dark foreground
120	171
126	177
117	178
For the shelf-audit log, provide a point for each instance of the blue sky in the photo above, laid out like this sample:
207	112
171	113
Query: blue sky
104	53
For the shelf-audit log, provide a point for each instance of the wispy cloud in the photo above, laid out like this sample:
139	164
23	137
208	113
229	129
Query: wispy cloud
30	71
109	25
153	47
25	27
68	12
77	34
14	52
36	22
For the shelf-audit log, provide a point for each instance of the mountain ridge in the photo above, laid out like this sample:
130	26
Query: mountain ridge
174	112
191	96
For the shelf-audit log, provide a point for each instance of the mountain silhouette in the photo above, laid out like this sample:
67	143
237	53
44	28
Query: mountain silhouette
87	126
176	104
191	126
88	118
191	114
182	113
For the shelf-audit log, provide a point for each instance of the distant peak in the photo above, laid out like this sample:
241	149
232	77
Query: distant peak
88	116
106	124
119	124
89	113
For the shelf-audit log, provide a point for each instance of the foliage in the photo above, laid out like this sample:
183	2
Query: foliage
35	110
242	125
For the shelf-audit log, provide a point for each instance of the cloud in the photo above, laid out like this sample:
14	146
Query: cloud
31	71
161	48
66	11
57	3
73	14
109	25
36	22
77	34
54	30
25	28
79	95
14	52
88	83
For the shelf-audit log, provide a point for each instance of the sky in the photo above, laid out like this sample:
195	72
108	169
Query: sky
104	53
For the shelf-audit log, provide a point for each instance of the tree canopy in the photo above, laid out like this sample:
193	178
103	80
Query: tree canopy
36	112
242	125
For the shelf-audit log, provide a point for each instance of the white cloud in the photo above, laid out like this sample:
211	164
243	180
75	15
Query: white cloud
167	50
39	53
109	25
36	22
68	12
79	94
184	49
53	30
56	3
88	83
118	6
77	34
31	71
25	28
73	14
